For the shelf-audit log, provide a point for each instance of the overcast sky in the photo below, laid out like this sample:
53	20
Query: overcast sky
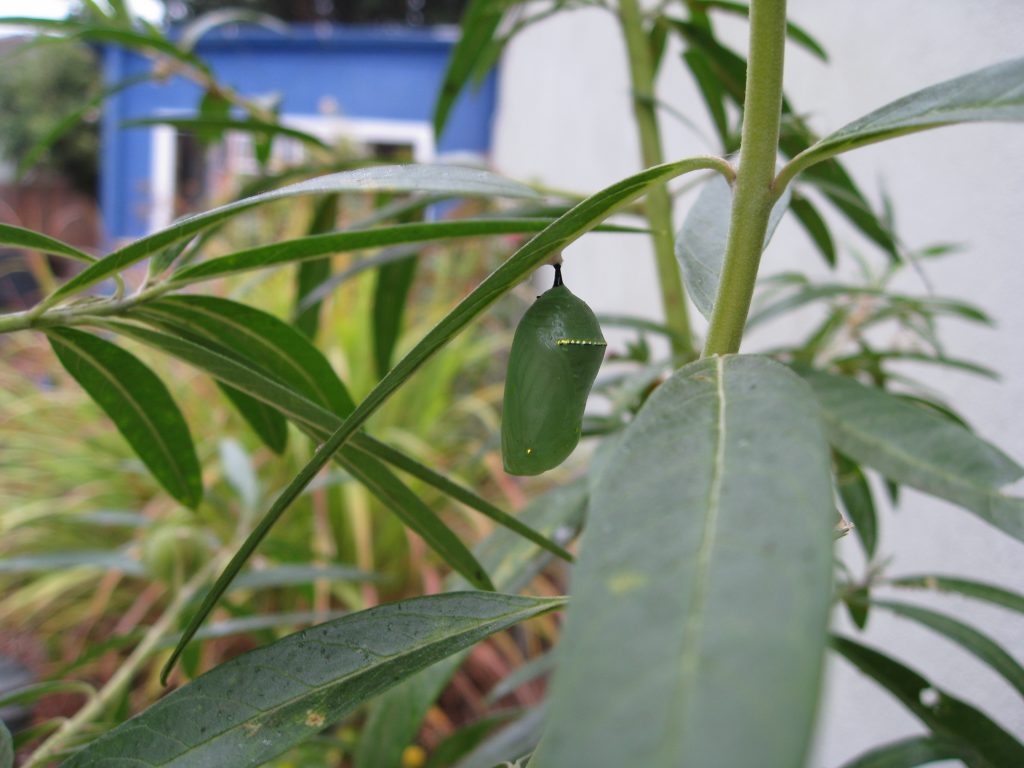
57	9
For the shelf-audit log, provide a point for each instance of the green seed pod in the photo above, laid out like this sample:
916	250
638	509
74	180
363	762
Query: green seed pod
556	353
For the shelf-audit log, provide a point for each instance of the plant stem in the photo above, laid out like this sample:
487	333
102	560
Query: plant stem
77	314
659	203
95	707
752	194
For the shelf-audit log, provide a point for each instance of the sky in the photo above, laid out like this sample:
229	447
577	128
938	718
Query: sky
57	9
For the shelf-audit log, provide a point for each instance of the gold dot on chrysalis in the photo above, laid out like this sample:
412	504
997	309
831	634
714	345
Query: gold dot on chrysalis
529	451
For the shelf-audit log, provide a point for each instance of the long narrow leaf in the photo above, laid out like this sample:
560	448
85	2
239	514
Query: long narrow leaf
912	752
970	639
36	241
710	527
975	590
139	405
992	94
315	246
254	707
946	716
311	274
424	179
919	448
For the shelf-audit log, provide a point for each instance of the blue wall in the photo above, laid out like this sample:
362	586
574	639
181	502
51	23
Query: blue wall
371	72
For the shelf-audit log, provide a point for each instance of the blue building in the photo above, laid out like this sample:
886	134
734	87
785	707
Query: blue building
372	85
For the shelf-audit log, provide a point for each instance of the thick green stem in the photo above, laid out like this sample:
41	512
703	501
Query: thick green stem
98	704
753	194
78	314
659	203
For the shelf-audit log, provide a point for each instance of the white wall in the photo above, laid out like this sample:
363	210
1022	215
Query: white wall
564	119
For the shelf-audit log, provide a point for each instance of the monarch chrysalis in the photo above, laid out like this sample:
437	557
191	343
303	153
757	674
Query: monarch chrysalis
556	352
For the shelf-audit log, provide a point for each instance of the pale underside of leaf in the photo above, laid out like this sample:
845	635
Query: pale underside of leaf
710	527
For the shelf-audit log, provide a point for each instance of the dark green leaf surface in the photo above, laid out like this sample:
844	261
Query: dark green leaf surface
855	493
710	527
35	241
139	405
479	24
947	717
395	718
970	639
265	421
510	743
919	448
992	94
815	227
390	295
312	273
468	736
910	753
425	179
701	243
6	747
976	590
254	707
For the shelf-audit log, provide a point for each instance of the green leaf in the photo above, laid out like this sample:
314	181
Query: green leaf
796	33
970	639
711	90
390	295
35	241
976	590
6	747
479	24
249	709
917	447
315	246
139	405
312	273
815	227
427	179
701	243
912	752
992	94
855	493
465	739
510	743
266	422
710	527
212	123
395	718
102	559
945	716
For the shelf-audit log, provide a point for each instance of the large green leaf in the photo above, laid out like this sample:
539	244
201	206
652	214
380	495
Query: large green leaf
255	706
426	179
918	447
992	94
946	716
711	529
910	753
139	405
396	717
701	243
970	639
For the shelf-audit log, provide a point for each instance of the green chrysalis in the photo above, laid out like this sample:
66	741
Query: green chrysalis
556	353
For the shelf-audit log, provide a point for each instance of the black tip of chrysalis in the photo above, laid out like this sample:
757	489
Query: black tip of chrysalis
558	275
